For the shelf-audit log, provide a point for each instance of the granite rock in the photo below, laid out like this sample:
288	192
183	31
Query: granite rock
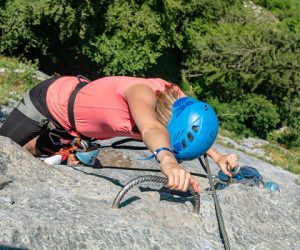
63	207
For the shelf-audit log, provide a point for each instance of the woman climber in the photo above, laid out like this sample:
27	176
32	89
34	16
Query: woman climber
174	127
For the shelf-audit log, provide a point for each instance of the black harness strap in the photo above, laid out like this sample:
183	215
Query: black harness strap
72	98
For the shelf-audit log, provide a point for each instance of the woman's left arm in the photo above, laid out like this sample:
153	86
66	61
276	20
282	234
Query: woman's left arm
142	102
224	161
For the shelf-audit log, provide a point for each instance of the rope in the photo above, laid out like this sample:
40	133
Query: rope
151	178
146	170
118	144
222	228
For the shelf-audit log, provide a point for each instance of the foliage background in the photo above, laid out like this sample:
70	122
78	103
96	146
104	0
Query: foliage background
243	57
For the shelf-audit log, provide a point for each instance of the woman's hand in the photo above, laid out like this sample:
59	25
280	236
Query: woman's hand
178	178
225	161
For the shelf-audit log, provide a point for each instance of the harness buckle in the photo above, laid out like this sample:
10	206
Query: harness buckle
51	126
43	122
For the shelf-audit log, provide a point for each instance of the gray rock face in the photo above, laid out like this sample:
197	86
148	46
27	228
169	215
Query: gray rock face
297	180
61	207
5	110
249	145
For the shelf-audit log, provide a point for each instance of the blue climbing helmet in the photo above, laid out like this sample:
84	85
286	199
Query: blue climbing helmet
88	156
193	128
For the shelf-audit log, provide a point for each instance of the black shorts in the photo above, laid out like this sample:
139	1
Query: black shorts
19	127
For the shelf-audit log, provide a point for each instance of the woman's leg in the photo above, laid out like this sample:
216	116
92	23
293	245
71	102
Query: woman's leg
29	134
22	130
22	125
32	148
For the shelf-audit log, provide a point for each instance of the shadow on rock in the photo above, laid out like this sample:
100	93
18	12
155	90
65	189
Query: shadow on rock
129	201
112	180
165	195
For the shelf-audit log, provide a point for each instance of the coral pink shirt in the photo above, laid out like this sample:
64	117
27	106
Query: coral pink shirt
100	109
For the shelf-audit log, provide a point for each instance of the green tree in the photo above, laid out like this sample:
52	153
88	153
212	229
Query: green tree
232	58
52	30
240	55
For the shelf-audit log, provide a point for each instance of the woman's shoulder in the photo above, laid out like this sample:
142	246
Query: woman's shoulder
122	83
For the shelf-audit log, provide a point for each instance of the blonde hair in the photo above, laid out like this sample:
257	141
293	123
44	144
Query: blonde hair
165	101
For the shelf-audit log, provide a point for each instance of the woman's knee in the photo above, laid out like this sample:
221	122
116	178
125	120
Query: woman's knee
31	147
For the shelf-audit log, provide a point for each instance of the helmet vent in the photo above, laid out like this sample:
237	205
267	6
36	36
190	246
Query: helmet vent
206	107
195	128
183	143
190	136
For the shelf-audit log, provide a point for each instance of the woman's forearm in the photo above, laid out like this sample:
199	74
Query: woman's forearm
214	154
155	138
158	137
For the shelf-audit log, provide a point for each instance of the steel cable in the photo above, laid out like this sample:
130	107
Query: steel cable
217	206
152	178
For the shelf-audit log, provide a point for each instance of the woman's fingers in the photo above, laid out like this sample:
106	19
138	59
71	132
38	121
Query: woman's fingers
186	182
183	178
233	161
180	179
226	171
228	162
171	179
174	178
195	184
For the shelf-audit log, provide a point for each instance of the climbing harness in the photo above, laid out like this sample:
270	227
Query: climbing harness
86	155
86	151
26	106
72	98
64	142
